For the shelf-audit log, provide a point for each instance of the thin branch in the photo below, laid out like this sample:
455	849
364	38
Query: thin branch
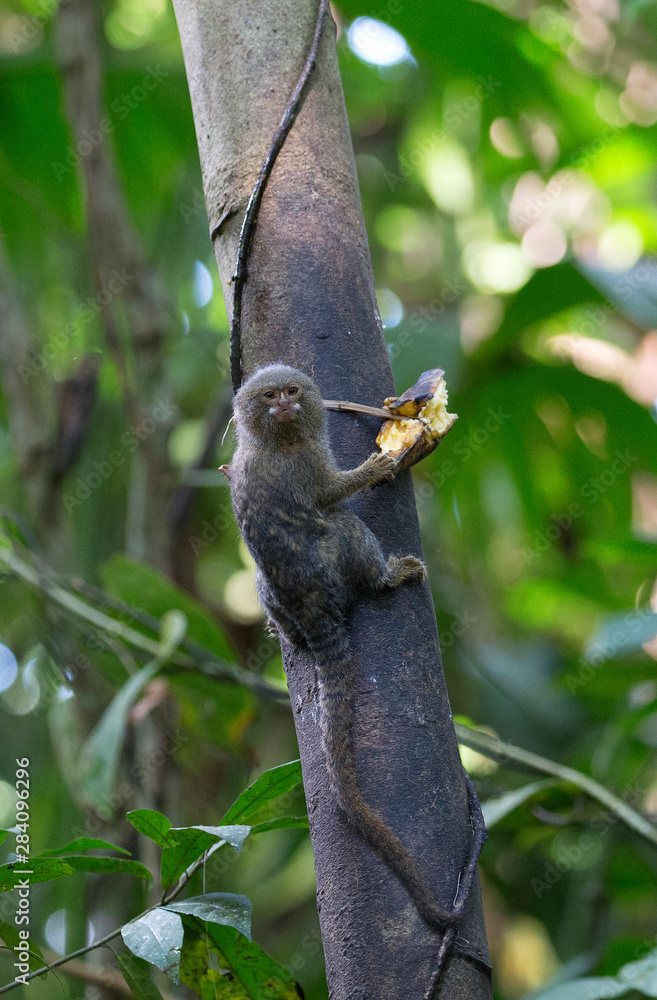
66	958
101	942
374	411
496	749
200	659
106	978
488	745
253	207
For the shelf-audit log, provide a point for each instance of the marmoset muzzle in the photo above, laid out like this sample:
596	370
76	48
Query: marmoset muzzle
284	410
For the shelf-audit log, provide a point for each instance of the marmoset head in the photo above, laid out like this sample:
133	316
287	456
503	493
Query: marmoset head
279	404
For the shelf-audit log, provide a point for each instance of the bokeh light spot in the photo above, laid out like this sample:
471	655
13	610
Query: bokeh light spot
377	43
390	308
241	599
544	244
203	284
8	800
8	667
186	442
449	180
504	139
131	23
620	246
55	931
496	267
23	695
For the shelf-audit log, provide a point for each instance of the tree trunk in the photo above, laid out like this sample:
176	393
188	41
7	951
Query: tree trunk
118	261
309	301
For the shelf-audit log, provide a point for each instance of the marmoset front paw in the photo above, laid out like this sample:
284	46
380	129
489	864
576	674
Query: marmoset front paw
381	468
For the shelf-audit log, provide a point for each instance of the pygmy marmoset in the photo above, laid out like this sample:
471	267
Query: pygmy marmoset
314	560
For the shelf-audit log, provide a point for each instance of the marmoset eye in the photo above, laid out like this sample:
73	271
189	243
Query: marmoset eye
269	394
293	390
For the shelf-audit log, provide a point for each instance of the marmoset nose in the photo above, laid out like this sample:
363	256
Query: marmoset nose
284	409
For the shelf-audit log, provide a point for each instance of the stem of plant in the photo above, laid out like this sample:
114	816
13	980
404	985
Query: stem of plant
184	879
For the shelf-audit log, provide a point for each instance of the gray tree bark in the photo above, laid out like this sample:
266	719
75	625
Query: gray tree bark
309	301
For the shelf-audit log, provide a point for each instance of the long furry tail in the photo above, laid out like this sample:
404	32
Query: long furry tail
330	646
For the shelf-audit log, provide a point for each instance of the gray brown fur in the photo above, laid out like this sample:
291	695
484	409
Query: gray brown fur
314	560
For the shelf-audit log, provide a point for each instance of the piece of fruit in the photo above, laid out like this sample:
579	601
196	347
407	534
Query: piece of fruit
424	407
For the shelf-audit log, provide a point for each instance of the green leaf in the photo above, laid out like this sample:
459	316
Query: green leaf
153	825
277	781
99	756
195	971
9	933
641	975
551	290
191	844
593	988
3	836
226	908
193	841
232	833
82	844
241	969
496	809
214	710
136	975
118	865
157	937
550	605
145	588
11	937
173	628
620	635
281	823
35	870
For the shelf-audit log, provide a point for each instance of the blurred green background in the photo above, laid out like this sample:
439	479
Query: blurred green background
506	158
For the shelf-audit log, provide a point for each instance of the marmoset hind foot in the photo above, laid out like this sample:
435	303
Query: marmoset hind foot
315	559
405	569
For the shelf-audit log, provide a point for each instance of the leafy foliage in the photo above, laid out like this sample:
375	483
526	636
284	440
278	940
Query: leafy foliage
244	973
